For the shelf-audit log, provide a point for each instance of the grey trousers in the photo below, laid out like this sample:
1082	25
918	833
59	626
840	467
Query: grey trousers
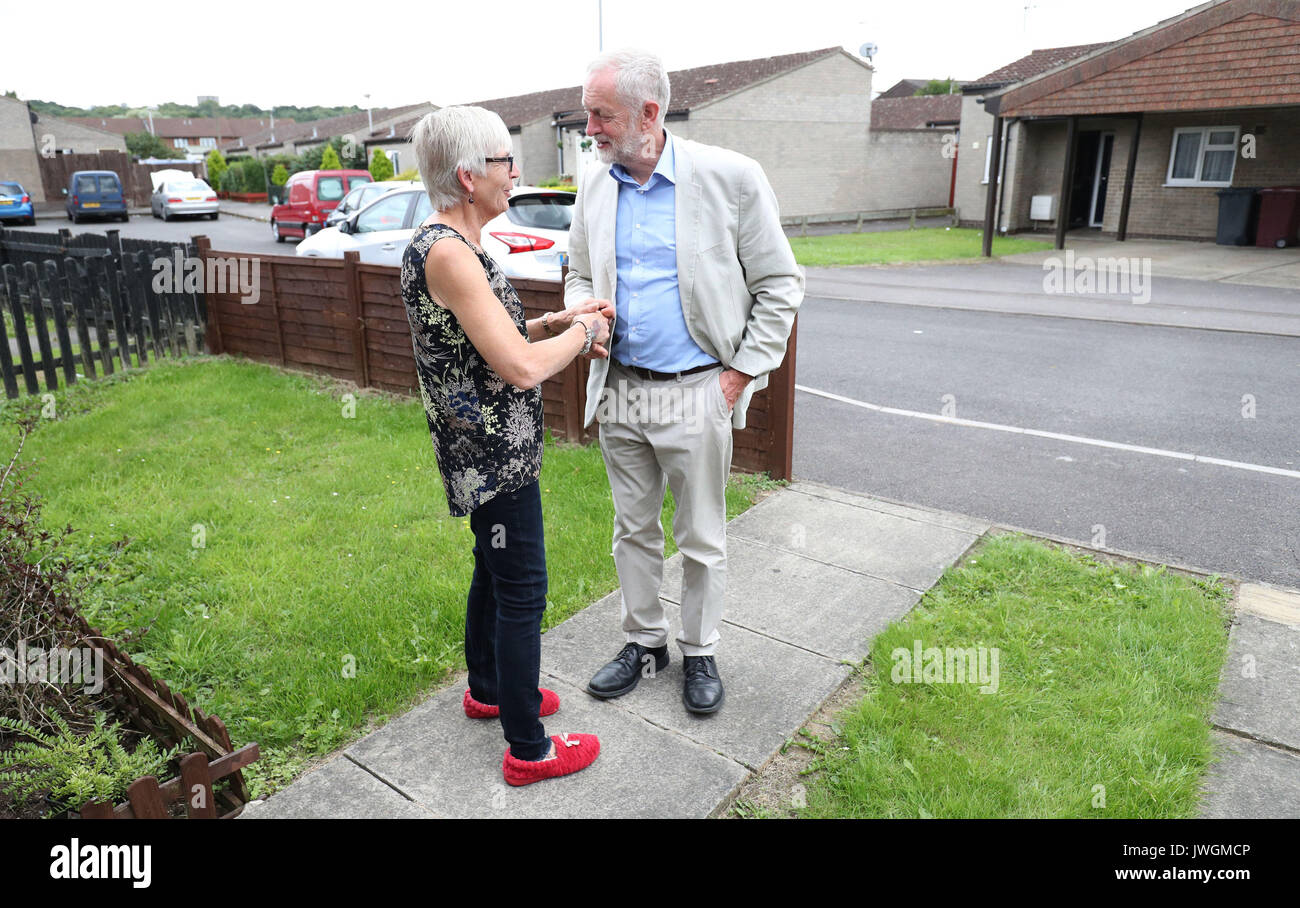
668	434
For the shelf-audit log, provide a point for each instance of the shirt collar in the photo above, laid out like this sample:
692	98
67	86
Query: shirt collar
665	168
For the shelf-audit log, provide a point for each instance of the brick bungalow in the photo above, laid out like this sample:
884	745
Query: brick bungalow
1135	137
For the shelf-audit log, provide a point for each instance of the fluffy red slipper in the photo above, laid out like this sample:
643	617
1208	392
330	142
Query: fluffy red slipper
477	710
572	753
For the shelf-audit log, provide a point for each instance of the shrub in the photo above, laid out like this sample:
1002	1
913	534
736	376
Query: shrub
330	159
230	180
252	176
217	167
72	768
380	167
38	599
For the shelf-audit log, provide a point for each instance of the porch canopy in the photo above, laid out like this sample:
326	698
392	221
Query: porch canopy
1222	59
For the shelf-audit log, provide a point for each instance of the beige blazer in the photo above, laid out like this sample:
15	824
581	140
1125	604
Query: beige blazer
739	284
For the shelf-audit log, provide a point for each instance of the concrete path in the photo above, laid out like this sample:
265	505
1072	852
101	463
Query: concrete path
1263	267
1257	735
813	574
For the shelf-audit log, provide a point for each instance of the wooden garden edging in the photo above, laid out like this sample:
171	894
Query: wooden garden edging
153	708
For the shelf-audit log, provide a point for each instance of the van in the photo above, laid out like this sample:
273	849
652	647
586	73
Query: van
310	195
95	193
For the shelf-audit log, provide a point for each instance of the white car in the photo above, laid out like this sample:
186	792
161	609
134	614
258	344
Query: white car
530	240
178	192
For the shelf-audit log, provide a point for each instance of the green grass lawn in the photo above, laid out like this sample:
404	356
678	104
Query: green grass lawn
1107	680
921	244
325	543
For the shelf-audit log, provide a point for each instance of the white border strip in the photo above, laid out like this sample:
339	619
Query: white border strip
1055	436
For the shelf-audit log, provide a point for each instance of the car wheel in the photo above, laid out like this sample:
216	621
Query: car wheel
307	231
125	217
167	215
275	231
214	214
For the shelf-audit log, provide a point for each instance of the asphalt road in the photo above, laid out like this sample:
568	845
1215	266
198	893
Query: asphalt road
1175	389
226	232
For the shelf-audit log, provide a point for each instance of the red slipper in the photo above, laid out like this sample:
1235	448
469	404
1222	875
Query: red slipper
477	710
572	753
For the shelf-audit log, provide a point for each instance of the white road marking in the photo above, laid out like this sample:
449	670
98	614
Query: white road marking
1055	436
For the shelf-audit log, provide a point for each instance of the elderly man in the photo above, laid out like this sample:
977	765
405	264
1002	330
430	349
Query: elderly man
686	239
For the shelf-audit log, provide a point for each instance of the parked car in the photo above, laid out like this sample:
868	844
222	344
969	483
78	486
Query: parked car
15	203
95	193
362	196
185	195
310	195
530	240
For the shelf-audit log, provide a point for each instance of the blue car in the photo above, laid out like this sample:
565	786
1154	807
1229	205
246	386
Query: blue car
15	203
95	193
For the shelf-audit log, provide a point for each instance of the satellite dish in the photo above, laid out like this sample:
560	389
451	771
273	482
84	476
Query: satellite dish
868	50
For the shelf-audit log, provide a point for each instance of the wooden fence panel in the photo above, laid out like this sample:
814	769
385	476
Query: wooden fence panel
107	297
348	319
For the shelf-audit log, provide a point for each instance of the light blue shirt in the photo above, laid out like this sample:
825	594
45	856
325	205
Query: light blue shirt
650	329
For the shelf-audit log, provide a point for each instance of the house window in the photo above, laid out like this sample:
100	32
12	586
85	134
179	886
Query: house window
1203	156
178	143
207	142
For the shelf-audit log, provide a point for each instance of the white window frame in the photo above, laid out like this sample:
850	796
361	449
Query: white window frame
1204	132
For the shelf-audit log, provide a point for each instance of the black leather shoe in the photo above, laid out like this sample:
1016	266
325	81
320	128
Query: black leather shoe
702	692
622	675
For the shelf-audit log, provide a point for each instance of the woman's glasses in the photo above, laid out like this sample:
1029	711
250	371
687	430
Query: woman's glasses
508	160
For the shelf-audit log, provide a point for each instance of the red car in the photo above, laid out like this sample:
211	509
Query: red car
310	196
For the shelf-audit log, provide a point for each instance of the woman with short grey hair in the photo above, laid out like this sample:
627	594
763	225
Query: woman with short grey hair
481	365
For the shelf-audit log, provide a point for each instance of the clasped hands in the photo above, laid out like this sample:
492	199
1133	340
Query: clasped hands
597	315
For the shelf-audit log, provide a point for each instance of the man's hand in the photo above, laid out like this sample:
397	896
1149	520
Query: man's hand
733	385
599	348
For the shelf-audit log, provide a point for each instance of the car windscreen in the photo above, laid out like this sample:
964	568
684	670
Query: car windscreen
329	189
551	212
10	189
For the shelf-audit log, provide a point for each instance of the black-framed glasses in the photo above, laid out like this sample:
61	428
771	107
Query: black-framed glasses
508	160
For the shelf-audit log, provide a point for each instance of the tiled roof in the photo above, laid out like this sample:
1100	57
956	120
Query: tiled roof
691	88
343	124
1040	61
180	127
921	112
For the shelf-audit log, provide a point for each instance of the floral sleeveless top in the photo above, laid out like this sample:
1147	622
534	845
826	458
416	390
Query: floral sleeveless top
487	434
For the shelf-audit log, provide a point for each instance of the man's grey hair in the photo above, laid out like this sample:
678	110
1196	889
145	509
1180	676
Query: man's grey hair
452	139
639	77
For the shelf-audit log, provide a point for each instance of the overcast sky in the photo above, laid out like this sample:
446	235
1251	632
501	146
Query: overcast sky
456	52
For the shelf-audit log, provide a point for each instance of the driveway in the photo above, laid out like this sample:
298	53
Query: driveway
1198	261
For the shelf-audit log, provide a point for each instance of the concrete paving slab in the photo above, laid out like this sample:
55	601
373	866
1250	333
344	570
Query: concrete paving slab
886	546
1261	681
453	764
772	687
338	790
1251	781
830	610
1186	259
924	515
1271	602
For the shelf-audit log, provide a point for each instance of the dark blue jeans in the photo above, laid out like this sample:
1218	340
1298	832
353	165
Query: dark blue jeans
503	618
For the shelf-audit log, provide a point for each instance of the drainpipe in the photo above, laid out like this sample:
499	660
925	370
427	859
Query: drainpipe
559	146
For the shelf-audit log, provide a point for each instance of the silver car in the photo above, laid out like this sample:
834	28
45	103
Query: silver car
189	196
362	196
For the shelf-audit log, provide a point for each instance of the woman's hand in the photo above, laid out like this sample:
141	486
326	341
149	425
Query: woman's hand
598	325
559	321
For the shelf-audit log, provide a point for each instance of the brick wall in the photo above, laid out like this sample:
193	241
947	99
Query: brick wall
1157	210
906	168
808	129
